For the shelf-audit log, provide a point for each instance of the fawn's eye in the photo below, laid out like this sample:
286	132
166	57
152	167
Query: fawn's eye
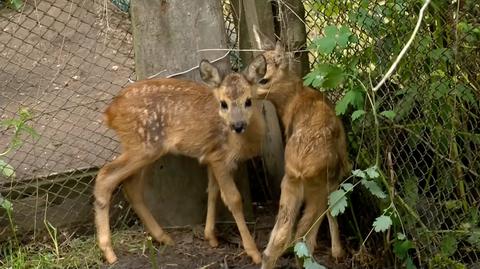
263	81
248	103
223	105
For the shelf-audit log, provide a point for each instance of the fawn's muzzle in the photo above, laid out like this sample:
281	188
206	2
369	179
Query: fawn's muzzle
239	127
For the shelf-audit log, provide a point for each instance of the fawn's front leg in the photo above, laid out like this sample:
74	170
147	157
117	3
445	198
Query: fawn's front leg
232	198
213	192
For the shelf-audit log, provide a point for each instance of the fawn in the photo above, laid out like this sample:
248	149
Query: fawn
220	125
315	154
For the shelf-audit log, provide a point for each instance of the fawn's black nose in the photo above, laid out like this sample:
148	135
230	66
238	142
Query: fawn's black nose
239	127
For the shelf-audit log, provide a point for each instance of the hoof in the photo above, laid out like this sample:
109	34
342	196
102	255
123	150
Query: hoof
266	262
256	257
213	242
110	256
167	240
338	254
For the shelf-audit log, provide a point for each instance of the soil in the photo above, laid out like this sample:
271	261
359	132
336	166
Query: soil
192	251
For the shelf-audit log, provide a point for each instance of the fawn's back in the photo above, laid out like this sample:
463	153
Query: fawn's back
180	117
315	137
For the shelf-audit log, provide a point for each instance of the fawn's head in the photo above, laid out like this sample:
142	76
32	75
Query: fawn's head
276	61
235	93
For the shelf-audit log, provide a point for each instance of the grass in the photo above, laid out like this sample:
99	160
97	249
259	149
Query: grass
80	252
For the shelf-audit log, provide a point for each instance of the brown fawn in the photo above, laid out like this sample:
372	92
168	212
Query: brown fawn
220	125
315	154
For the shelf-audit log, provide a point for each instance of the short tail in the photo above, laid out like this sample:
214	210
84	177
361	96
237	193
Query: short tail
344	164
107	117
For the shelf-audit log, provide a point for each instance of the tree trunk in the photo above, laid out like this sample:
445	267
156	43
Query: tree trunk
167	37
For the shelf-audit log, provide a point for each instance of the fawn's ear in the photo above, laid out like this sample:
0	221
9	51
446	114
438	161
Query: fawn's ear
209	73
279	48
256	69
261	40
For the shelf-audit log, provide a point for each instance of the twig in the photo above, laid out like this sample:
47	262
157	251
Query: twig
208	265
190	69
195	67
36	11
405	48
294	13
254	50
106	14
152	76
225	262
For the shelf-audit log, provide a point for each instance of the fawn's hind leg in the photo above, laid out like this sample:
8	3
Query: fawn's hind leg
133	188
108	178
291	198
313	214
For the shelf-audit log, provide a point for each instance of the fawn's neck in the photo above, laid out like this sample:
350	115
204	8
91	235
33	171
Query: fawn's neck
285	94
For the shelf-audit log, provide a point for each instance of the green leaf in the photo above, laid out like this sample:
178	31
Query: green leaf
347	186
474	238
401	236
453	204
330	31
5	204
382	223
24	114
410	264
357	114
343	36
337	201
314	78
400	248
301	249
6	169
308	263
372	172
9	122
326	45
373	187
334	77
390	114
449	244
354	97
29	130
439	89
466	94
443	54
324	75
16	4
359	173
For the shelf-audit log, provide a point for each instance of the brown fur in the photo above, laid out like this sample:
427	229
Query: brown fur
156	117
315	156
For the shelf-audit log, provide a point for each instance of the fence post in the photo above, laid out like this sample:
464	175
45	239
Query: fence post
252	12
167	37
293	34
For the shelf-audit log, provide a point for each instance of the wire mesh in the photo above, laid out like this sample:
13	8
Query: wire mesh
64	61
432	141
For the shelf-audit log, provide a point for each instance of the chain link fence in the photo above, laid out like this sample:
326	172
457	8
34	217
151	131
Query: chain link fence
430	147
65	60
61	63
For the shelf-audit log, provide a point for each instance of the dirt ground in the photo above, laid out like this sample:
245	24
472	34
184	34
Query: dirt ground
192	251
